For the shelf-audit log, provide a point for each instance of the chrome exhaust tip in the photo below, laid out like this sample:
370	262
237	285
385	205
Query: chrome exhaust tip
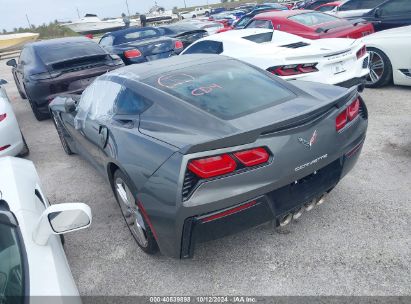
298	214
321	200
286	220
310	205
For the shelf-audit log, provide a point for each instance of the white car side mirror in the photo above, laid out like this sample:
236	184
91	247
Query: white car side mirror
61	218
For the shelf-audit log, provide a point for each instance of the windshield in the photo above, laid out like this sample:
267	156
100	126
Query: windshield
53	53
227	90
311	19
11	266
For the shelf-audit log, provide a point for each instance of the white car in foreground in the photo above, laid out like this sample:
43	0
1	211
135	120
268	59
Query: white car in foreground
32	258
390	57
332	61
12	142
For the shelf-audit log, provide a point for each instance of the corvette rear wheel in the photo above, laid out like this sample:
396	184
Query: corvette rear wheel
134	219
380	69
60	132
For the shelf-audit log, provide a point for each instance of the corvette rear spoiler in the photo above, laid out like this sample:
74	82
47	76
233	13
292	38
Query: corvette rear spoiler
251	136
354	22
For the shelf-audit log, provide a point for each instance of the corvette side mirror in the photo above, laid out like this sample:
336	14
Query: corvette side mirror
12	62
61	218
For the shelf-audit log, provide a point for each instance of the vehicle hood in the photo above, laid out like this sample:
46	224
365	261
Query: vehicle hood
282	46
399	32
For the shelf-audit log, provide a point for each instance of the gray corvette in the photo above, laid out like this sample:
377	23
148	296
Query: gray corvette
200	146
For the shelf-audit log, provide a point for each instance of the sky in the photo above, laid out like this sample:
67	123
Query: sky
13	12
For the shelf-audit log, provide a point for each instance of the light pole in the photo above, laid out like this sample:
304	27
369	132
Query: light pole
128	10
185	4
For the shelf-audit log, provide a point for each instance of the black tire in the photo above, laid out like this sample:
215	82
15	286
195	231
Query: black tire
25	151
22	95
194	16
150	247
39	115
62	240
60	132
207	14
378	77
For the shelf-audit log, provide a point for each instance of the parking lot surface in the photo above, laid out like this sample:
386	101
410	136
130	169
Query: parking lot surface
357	243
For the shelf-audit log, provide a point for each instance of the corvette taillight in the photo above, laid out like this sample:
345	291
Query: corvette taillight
361	52
4	147
226	163
129	54
350	113
212	166
293	69
353	109
3	116
178	45
341	120
252	157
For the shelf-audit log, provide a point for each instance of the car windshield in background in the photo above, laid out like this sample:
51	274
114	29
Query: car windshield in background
243	21
52	53
138	34
228	90
312	19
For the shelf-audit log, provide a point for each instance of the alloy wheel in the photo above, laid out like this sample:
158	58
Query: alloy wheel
131	212
376	66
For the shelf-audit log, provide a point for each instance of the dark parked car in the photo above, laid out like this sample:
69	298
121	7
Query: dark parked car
310	4
137	45
186	33
49	68
390	14
190	158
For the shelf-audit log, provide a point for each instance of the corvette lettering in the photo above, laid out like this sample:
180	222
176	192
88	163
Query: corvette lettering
314	161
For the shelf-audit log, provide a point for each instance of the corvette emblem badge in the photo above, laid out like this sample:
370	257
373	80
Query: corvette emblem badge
309	143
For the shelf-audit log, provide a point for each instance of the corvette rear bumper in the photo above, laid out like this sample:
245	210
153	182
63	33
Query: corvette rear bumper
272	206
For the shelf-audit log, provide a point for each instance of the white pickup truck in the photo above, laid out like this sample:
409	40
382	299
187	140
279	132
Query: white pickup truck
198	11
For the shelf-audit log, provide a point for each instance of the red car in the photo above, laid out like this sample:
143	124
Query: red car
311	24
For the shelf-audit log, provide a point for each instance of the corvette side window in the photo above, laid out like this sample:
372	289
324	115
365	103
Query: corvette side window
129	103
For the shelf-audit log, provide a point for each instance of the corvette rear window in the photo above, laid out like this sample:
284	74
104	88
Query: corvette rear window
311	19
61	52
226	89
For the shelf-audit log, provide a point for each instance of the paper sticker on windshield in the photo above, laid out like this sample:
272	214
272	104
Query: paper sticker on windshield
205	90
